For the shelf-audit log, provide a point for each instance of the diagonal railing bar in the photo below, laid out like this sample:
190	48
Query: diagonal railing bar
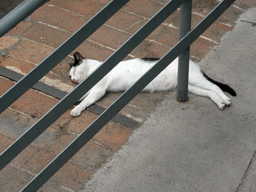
19	13
43	123
127	96
60	53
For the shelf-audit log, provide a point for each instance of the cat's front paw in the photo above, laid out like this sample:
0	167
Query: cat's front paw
75	112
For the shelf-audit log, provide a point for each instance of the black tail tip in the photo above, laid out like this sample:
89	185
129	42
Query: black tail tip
233	93
228	89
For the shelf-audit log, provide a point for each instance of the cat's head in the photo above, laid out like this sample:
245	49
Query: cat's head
79	69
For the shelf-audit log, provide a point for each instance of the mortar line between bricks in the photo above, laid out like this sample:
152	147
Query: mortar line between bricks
20	112
104	46
22	169
141	15
171	26
91	140
66	188
34	174
135	24
51	5
54	27
35	63
22	59
69	11
198	14
39	43
120	30
208	39
235	6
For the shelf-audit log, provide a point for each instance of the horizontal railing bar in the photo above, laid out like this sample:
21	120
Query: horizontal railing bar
59	54
31	134
18	14
126	97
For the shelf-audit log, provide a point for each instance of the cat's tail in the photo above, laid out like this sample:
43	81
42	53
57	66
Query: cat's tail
222	86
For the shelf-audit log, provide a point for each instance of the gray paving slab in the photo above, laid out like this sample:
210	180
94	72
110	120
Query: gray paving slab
194	146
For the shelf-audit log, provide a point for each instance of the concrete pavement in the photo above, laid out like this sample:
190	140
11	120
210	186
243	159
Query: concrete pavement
194	146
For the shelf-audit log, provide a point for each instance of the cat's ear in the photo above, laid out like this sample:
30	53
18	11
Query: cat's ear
78	57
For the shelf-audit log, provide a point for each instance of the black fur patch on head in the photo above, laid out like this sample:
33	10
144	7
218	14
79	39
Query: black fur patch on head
78	59
150	59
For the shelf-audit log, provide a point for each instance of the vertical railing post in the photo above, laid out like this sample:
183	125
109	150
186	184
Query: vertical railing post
183	67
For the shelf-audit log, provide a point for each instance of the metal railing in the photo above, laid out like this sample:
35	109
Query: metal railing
187	37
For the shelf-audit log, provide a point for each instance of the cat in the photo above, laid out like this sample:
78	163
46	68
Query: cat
126	73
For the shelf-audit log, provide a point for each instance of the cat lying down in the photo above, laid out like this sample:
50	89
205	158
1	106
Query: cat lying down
126	73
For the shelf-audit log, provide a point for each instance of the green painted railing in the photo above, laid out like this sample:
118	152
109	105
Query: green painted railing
187	37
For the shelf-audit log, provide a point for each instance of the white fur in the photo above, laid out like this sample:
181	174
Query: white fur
126	73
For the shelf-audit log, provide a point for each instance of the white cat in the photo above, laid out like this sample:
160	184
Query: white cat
126	73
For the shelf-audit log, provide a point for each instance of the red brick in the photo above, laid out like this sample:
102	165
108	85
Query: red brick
144	8
31	51
25	156
215	31
58	17
64	119
86	8
24	66
109	37
169	38
201	47
92	156
5	142
47	35
198	49
104	54
7	42
20	28
62	70
113	135
154	50
34	103
105	1
13	179
79	124
62	143
203	7
39	161
89	50
94	51
125	21
72	176
5	85
52	187
141	47
1	59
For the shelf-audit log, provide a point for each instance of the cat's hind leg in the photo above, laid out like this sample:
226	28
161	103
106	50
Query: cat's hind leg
203	83
208	93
